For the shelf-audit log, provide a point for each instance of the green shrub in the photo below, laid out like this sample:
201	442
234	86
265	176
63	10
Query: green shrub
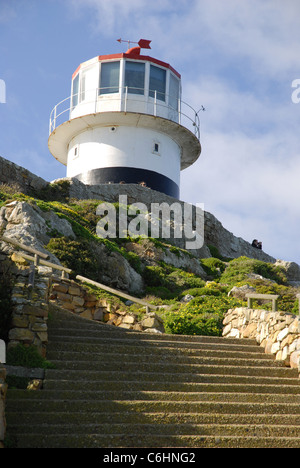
171	278
213	266
203	315
240	268
26	356
77	255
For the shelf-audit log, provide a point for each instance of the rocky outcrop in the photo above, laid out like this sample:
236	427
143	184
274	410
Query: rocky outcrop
292	271
19	178
214	233
31	226
152	253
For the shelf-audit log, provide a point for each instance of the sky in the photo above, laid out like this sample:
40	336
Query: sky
237	58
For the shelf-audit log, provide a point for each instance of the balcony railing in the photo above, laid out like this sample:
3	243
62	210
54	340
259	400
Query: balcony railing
126	100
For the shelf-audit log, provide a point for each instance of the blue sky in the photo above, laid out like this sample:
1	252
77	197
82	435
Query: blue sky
237	58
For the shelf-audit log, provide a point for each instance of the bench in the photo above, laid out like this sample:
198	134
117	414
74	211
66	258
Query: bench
268	297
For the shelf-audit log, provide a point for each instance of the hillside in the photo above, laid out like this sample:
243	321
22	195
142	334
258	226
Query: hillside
195	291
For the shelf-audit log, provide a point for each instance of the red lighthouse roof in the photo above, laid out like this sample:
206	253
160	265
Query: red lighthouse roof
134	53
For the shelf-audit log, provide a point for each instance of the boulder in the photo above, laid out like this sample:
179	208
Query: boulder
241	291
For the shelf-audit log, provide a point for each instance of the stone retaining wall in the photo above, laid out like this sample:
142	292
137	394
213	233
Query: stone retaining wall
277	332
78	299
3	388
30	311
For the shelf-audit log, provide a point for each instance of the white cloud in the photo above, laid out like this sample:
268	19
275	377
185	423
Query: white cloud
238	59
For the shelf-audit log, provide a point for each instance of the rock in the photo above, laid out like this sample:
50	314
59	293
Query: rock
21	334
250	331
241	291
35	384
187	298
292	271
294	359
30	225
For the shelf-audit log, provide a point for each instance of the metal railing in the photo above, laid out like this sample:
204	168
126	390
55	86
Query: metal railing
127	99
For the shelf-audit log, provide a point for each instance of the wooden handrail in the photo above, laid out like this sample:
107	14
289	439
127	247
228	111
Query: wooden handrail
39	258
117	292
24	247
54	266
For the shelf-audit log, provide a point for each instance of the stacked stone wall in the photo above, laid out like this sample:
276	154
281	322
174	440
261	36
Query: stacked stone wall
3	388
278	332
77	298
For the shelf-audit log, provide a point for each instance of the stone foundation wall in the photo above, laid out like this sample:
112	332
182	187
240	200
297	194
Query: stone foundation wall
30	310
277	332
3	388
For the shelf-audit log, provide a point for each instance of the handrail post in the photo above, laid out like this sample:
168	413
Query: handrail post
155	104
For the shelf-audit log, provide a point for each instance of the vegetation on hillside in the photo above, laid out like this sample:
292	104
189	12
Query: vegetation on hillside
164	284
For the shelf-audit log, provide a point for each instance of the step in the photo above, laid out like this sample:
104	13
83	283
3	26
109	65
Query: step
76	418
165	353
209	377
152	406
151	395
153	441
87	344
169	364
139	337
188	372
258	430
108	332
139	386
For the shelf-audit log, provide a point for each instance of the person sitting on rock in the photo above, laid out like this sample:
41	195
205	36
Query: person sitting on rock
256	244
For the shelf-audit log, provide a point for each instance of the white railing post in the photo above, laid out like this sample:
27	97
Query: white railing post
96	99
155	104
126	96
54	119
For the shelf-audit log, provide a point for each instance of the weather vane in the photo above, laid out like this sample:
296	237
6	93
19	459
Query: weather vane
143	43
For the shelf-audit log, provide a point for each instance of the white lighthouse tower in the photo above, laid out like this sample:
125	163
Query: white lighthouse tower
125	122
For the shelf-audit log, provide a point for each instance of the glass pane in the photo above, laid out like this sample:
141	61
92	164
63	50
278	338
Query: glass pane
109	78
174	92
157	83
75	91
135	77
82	87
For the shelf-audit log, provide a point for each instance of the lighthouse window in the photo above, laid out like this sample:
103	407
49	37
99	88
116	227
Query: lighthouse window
174	92
109	78
157	83
135	77
75	91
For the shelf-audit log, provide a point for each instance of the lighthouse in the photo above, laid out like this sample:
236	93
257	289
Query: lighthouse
125	122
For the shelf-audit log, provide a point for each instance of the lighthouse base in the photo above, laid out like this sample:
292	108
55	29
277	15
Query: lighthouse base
130	175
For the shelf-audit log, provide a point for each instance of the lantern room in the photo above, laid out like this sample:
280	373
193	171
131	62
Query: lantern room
125	122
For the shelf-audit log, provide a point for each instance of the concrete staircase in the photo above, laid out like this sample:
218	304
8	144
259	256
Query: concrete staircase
117	388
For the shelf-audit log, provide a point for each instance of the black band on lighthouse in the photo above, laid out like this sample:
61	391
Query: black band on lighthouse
130	175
